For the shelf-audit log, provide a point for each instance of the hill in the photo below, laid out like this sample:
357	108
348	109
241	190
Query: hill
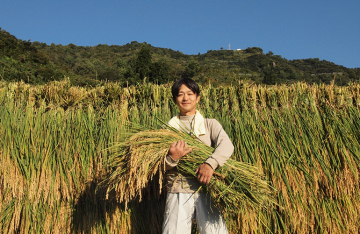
37	63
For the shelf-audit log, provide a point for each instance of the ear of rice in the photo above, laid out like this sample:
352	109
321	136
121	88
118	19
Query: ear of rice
233	186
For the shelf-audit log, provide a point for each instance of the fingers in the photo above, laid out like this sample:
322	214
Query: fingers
204	173
187	151
180	144
204	179
173	145
179	149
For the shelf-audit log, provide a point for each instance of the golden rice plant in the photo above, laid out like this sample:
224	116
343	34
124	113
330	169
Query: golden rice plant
142	156
304	139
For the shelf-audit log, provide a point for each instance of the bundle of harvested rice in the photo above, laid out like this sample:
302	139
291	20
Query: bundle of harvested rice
233	187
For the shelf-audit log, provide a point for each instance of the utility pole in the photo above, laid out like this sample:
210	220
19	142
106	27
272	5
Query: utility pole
229	46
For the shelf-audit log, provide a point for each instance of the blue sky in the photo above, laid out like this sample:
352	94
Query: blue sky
328	30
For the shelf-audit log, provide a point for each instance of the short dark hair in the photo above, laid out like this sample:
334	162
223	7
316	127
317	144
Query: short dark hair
191	84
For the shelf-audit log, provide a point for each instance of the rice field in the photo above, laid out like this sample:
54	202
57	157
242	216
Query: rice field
55	148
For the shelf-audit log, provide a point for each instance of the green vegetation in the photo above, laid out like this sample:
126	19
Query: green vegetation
21	60
38	63
55	139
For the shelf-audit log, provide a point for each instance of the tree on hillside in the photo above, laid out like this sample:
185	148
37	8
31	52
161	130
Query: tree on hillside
257	62
252	50
143	62
270	77
192	69
138	66
159	72
269	54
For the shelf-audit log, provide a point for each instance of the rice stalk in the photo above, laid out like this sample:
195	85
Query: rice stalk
235	186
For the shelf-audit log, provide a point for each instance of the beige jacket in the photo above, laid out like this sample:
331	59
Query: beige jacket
214	136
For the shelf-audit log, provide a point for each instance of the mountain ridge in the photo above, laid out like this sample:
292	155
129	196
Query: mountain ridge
37	63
